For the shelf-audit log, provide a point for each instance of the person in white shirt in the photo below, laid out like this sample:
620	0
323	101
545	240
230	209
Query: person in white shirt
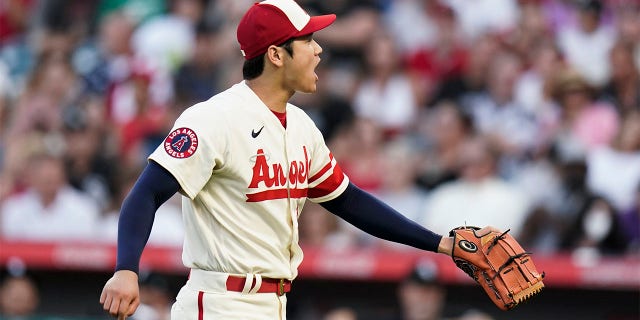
50	209
587	45
478	196
614	170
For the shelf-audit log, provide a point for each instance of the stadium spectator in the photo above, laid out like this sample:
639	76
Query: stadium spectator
398	188
614	170
89	168
166	41
225	15
628	26
52	86
350	34
19	298
386	94
116	73
434	51
199	77
496	114
479	196
474	76
155	298
359	150
144	127
597	230
414	15
584	123
423	296
477	18
586	45
50	209
532	29
623	89
320	229
103	58
532	93
341	313
443	131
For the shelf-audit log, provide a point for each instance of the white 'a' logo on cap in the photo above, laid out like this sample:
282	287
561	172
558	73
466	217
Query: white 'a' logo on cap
292	10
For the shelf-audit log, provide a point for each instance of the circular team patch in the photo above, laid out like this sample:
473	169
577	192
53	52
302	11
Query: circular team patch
181	143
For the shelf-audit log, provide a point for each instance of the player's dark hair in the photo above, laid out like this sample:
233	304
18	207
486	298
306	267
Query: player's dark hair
287	46
253	68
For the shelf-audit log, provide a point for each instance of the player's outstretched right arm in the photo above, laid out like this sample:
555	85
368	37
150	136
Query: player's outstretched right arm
120	296
373	216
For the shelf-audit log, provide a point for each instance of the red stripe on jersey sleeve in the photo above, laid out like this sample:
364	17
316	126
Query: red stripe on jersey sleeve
329	185
323	170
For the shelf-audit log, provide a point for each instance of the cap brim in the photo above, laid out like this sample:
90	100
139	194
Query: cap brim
317	23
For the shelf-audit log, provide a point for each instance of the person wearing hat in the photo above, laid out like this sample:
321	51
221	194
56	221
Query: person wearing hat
585	123
155	297
245	162
422	296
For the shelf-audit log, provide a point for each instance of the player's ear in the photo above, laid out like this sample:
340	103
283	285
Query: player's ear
274	55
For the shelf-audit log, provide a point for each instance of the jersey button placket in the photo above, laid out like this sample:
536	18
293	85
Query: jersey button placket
292	219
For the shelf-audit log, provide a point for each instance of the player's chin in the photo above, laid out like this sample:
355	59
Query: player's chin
310	87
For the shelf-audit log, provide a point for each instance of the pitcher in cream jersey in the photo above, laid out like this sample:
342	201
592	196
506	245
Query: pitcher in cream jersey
245	162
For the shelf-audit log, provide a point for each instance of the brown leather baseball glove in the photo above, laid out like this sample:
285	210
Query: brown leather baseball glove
498	263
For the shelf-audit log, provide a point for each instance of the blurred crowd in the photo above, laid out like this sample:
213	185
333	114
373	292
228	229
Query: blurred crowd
522	114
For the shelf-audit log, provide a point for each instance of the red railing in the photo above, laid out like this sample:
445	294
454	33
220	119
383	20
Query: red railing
562	270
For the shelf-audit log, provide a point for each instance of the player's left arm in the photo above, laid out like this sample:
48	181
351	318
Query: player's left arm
120	295
373	216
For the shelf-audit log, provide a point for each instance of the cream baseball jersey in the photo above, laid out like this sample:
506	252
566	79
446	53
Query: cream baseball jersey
246	179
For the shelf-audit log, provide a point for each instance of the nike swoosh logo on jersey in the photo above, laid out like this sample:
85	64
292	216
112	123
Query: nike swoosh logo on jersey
255	134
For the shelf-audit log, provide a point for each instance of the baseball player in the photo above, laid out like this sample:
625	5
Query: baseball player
245	161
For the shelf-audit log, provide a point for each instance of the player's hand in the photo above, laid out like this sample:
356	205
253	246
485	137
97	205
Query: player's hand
446	244
486	230
121	295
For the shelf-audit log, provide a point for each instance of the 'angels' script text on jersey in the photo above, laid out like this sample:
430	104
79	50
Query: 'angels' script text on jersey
274	176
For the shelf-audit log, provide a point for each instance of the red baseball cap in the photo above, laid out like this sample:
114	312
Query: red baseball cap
273	22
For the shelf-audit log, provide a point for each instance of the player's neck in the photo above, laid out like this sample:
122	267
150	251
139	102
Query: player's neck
272	95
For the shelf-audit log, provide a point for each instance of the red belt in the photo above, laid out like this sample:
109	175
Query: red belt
278	286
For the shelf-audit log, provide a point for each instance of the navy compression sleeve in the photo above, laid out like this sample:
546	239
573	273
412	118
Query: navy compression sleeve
154	186
373	216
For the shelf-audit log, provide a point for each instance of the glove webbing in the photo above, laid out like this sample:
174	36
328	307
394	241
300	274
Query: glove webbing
512	262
